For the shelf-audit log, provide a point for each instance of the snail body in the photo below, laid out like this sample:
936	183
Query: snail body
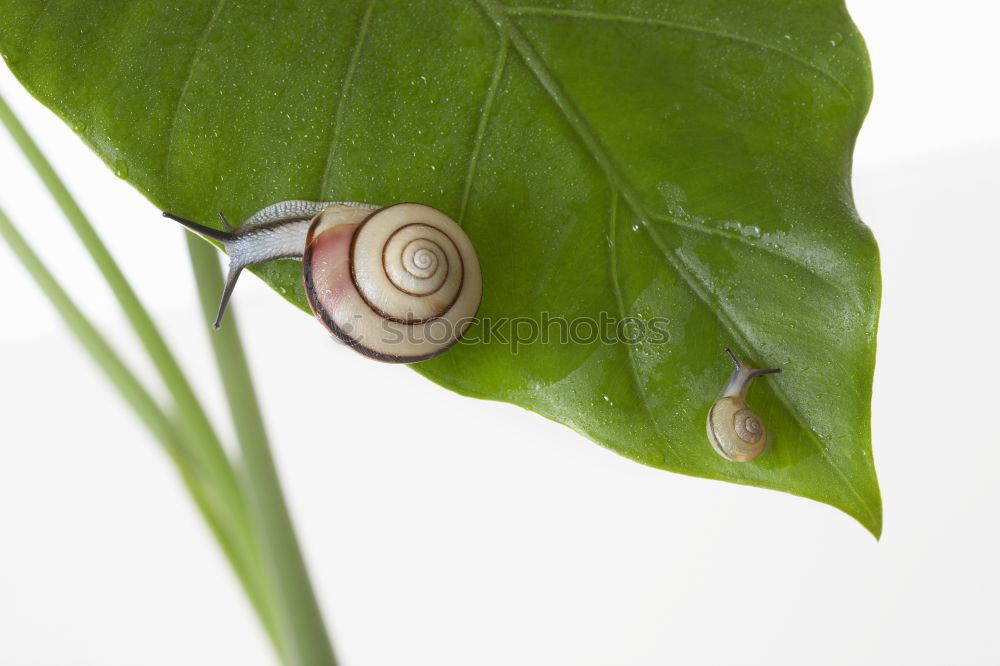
734	430
399	283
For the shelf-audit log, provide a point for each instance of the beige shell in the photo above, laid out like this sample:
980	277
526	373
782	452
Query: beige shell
736	433
397	284
734	430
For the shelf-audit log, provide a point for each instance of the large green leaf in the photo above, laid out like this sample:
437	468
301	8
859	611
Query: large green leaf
688	160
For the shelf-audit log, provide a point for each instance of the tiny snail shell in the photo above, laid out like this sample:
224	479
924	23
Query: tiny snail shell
734	430
399	283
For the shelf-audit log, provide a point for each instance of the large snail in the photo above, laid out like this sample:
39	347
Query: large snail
735	431
399	283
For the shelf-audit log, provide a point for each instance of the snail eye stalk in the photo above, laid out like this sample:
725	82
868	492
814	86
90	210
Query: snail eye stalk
215	234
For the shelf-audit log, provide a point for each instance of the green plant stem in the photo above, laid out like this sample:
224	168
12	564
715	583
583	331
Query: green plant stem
300	622
196	448
131	389
192	417
123	379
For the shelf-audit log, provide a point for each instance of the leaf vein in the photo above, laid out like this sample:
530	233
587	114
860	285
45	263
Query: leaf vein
620	302
529	10
709	231
345	89
477	142
192	65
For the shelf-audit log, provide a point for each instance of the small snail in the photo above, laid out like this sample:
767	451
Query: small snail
399	283
735	431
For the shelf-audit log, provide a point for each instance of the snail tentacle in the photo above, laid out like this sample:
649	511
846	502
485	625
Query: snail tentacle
232	275
277	231
743	374
210	232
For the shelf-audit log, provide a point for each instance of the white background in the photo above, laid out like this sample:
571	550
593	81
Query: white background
484	534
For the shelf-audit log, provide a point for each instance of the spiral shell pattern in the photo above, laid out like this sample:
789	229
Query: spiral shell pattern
408	271
401	285
747	426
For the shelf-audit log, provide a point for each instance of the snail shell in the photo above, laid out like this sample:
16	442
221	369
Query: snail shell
734	430
400	286
399	283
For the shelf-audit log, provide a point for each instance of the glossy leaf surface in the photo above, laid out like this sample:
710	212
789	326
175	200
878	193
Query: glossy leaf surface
685	160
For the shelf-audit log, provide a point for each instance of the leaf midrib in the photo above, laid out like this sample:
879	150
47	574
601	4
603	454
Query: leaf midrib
526	50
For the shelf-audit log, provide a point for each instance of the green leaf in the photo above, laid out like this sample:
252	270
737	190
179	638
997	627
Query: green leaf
685	160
